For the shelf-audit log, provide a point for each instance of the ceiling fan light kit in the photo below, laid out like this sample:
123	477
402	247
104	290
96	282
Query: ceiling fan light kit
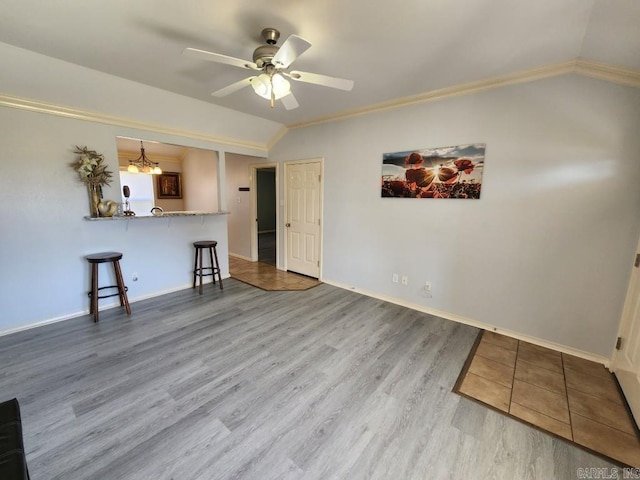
268	86
273	62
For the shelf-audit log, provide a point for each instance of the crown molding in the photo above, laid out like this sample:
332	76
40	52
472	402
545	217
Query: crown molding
624	76
449	92
610	73
79	114
276	138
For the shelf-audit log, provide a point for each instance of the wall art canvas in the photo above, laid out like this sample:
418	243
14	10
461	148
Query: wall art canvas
443	172
169	185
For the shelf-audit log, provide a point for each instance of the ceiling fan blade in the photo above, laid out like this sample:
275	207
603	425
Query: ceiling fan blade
324	80
289	101
234	87
292	48
219	58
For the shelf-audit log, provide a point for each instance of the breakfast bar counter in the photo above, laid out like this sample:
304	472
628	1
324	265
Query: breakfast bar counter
161	215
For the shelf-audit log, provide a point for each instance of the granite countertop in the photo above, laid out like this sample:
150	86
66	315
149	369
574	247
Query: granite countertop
163	215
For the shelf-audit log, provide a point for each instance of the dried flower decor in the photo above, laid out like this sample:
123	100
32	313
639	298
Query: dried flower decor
93	173
91	167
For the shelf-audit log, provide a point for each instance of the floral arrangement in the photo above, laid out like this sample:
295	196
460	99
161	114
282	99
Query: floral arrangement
94	174
91	167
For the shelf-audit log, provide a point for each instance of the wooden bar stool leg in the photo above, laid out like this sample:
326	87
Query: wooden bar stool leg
195	268
119	285
200	271
213	276
124	301
217	269
93	307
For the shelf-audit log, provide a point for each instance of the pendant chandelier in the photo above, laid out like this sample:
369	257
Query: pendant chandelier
143	165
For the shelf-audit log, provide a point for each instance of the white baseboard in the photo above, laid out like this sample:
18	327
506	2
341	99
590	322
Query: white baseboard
474	323
108	306
22	328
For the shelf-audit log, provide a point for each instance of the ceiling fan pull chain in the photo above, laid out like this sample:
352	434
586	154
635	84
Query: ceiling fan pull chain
273	95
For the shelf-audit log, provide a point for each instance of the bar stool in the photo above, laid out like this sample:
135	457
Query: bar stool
199	270
94	294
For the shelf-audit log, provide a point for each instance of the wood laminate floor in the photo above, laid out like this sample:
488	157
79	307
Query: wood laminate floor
248	384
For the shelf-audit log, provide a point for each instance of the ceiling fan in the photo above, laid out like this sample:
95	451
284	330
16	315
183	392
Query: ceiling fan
273	62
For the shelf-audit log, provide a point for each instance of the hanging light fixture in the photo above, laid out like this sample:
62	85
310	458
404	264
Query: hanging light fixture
143	164
271	86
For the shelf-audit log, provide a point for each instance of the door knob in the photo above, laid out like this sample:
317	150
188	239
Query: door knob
287	225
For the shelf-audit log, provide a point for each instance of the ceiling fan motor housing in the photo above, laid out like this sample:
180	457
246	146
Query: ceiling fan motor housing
263	55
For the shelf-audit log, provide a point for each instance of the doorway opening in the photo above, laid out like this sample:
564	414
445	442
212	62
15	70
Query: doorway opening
266	214
264	234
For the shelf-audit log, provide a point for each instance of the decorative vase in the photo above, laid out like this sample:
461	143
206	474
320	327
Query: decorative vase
94	199
107	209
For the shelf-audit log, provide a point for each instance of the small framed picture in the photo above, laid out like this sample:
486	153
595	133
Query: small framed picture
169	185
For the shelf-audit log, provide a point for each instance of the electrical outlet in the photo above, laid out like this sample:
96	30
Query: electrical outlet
394	279
427	286
134	276
405	280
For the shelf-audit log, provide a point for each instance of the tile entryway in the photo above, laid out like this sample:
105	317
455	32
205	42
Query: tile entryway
573	398
268	277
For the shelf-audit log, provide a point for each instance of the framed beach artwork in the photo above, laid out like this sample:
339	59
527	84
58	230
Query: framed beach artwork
443	172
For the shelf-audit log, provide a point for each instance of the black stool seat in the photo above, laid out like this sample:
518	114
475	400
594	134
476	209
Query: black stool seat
198	270
103	257
205	244
94	294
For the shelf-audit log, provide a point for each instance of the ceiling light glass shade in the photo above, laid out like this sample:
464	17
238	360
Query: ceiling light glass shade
263	82
281	86
157	171
262	85
132	168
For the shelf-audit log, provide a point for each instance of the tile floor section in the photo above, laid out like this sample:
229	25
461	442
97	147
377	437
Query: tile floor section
268	277
568	396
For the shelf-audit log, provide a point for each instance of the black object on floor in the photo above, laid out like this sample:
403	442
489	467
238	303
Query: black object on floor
13	462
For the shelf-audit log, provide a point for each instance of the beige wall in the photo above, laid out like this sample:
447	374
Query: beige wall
239	203
200	180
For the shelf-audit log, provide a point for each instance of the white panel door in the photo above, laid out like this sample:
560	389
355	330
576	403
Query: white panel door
626	362
303	218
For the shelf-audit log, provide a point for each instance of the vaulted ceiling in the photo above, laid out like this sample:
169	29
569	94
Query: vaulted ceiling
390	49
